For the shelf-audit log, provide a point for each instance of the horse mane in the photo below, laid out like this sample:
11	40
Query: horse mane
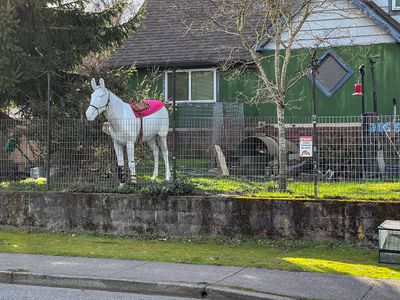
116	97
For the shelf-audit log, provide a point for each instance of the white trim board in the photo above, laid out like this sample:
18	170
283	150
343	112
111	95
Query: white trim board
342	24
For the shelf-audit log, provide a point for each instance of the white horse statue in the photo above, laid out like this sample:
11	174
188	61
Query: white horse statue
125	129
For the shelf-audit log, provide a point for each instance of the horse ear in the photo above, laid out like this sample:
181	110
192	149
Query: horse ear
93	83
102	84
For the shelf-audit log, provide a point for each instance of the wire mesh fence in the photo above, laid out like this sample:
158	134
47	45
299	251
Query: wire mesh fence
211	148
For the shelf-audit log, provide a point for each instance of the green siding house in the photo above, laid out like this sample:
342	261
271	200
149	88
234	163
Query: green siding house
353	32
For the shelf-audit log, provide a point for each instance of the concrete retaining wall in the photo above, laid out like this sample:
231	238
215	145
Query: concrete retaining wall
196	216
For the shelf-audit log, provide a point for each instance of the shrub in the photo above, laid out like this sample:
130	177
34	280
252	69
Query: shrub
146	188
178	187
28	184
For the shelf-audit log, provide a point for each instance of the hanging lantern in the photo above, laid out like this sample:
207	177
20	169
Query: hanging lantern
358	89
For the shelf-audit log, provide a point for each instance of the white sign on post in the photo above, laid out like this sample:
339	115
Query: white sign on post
306	146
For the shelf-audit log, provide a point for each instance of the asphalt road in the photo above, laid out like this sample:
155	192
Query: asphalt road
24	292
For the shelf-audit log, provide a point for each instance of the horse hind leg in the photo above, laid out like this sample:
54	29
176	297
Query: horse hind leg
154	147
164	149
130	149
119	152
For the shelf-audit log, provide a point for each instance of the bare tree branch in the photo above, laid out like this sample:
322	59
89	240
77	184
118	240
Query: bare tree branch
279	25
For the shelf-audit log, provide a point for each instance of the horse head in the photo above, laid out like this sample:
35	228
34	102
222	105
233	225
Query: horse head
100	99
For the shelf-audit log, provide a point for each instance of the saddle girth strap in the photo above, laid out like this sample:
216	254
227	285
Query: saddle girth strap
141	137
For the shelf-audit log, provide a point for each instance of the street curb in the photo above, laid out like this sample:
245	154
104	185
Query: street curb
181	289
5	277
222	293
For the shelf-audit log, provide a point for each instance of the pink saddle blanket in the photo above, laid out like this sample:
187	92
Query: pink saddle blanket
154	106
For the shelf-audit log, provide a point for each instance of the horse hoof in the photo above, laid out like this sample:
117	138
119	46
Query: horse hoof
134	180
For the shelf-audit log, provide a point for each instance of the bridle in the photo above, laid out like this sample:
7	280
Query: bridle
100	107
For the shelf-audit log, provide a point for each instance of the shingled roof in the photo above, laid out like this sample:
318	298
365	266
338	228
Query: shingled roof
162	41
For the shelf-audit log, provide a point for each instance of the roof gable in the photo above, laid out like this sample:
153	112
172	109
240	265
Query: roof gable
382	18
344	23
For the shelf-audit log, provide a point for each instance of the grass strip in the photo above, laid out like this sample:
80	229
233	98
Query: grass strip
302	190
296	255
369	190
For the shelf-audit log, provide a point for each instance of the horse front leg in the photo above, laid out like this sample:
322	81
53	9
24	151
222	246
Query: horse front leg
130	150
154	147
164	149
119	152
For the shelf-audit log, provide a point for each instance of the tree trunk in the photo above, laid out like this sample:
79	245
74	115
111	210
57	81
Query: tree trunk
282	183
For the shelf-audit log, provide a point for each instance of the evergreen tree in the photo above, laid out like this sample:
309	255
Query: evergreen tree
11	54
51	35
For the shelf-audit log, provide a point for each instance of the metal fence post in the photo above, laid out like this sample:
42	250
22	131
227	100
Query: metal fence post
174	127
48	133
362	74
314	130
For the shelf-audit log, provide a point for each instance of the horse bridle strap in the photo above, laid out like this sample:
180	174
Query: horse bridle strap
100	107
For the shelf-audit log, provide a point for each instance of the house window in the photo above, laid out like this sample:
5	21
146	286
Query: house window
395	4
394	7
192	85
332	73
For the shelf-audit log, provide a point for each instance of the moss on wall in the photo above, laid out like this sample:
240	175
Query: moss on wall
196	215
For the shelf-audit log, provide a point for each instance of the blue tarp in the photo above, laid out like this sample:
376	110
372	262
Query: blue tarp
382	127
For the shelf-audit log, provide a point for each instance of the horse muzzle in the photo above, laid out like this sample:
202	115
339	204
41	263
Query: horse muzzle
91	114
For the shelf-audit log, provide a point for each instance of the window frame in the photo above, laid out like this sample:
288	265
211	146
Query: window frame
340	83
189	71
393	8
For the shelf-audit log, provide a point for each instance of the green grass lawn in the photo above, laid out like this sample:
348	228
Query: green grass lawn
324	257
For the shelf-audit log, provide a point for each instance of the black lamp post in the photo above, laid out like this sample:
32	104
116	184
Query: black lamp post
373	78
362	75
